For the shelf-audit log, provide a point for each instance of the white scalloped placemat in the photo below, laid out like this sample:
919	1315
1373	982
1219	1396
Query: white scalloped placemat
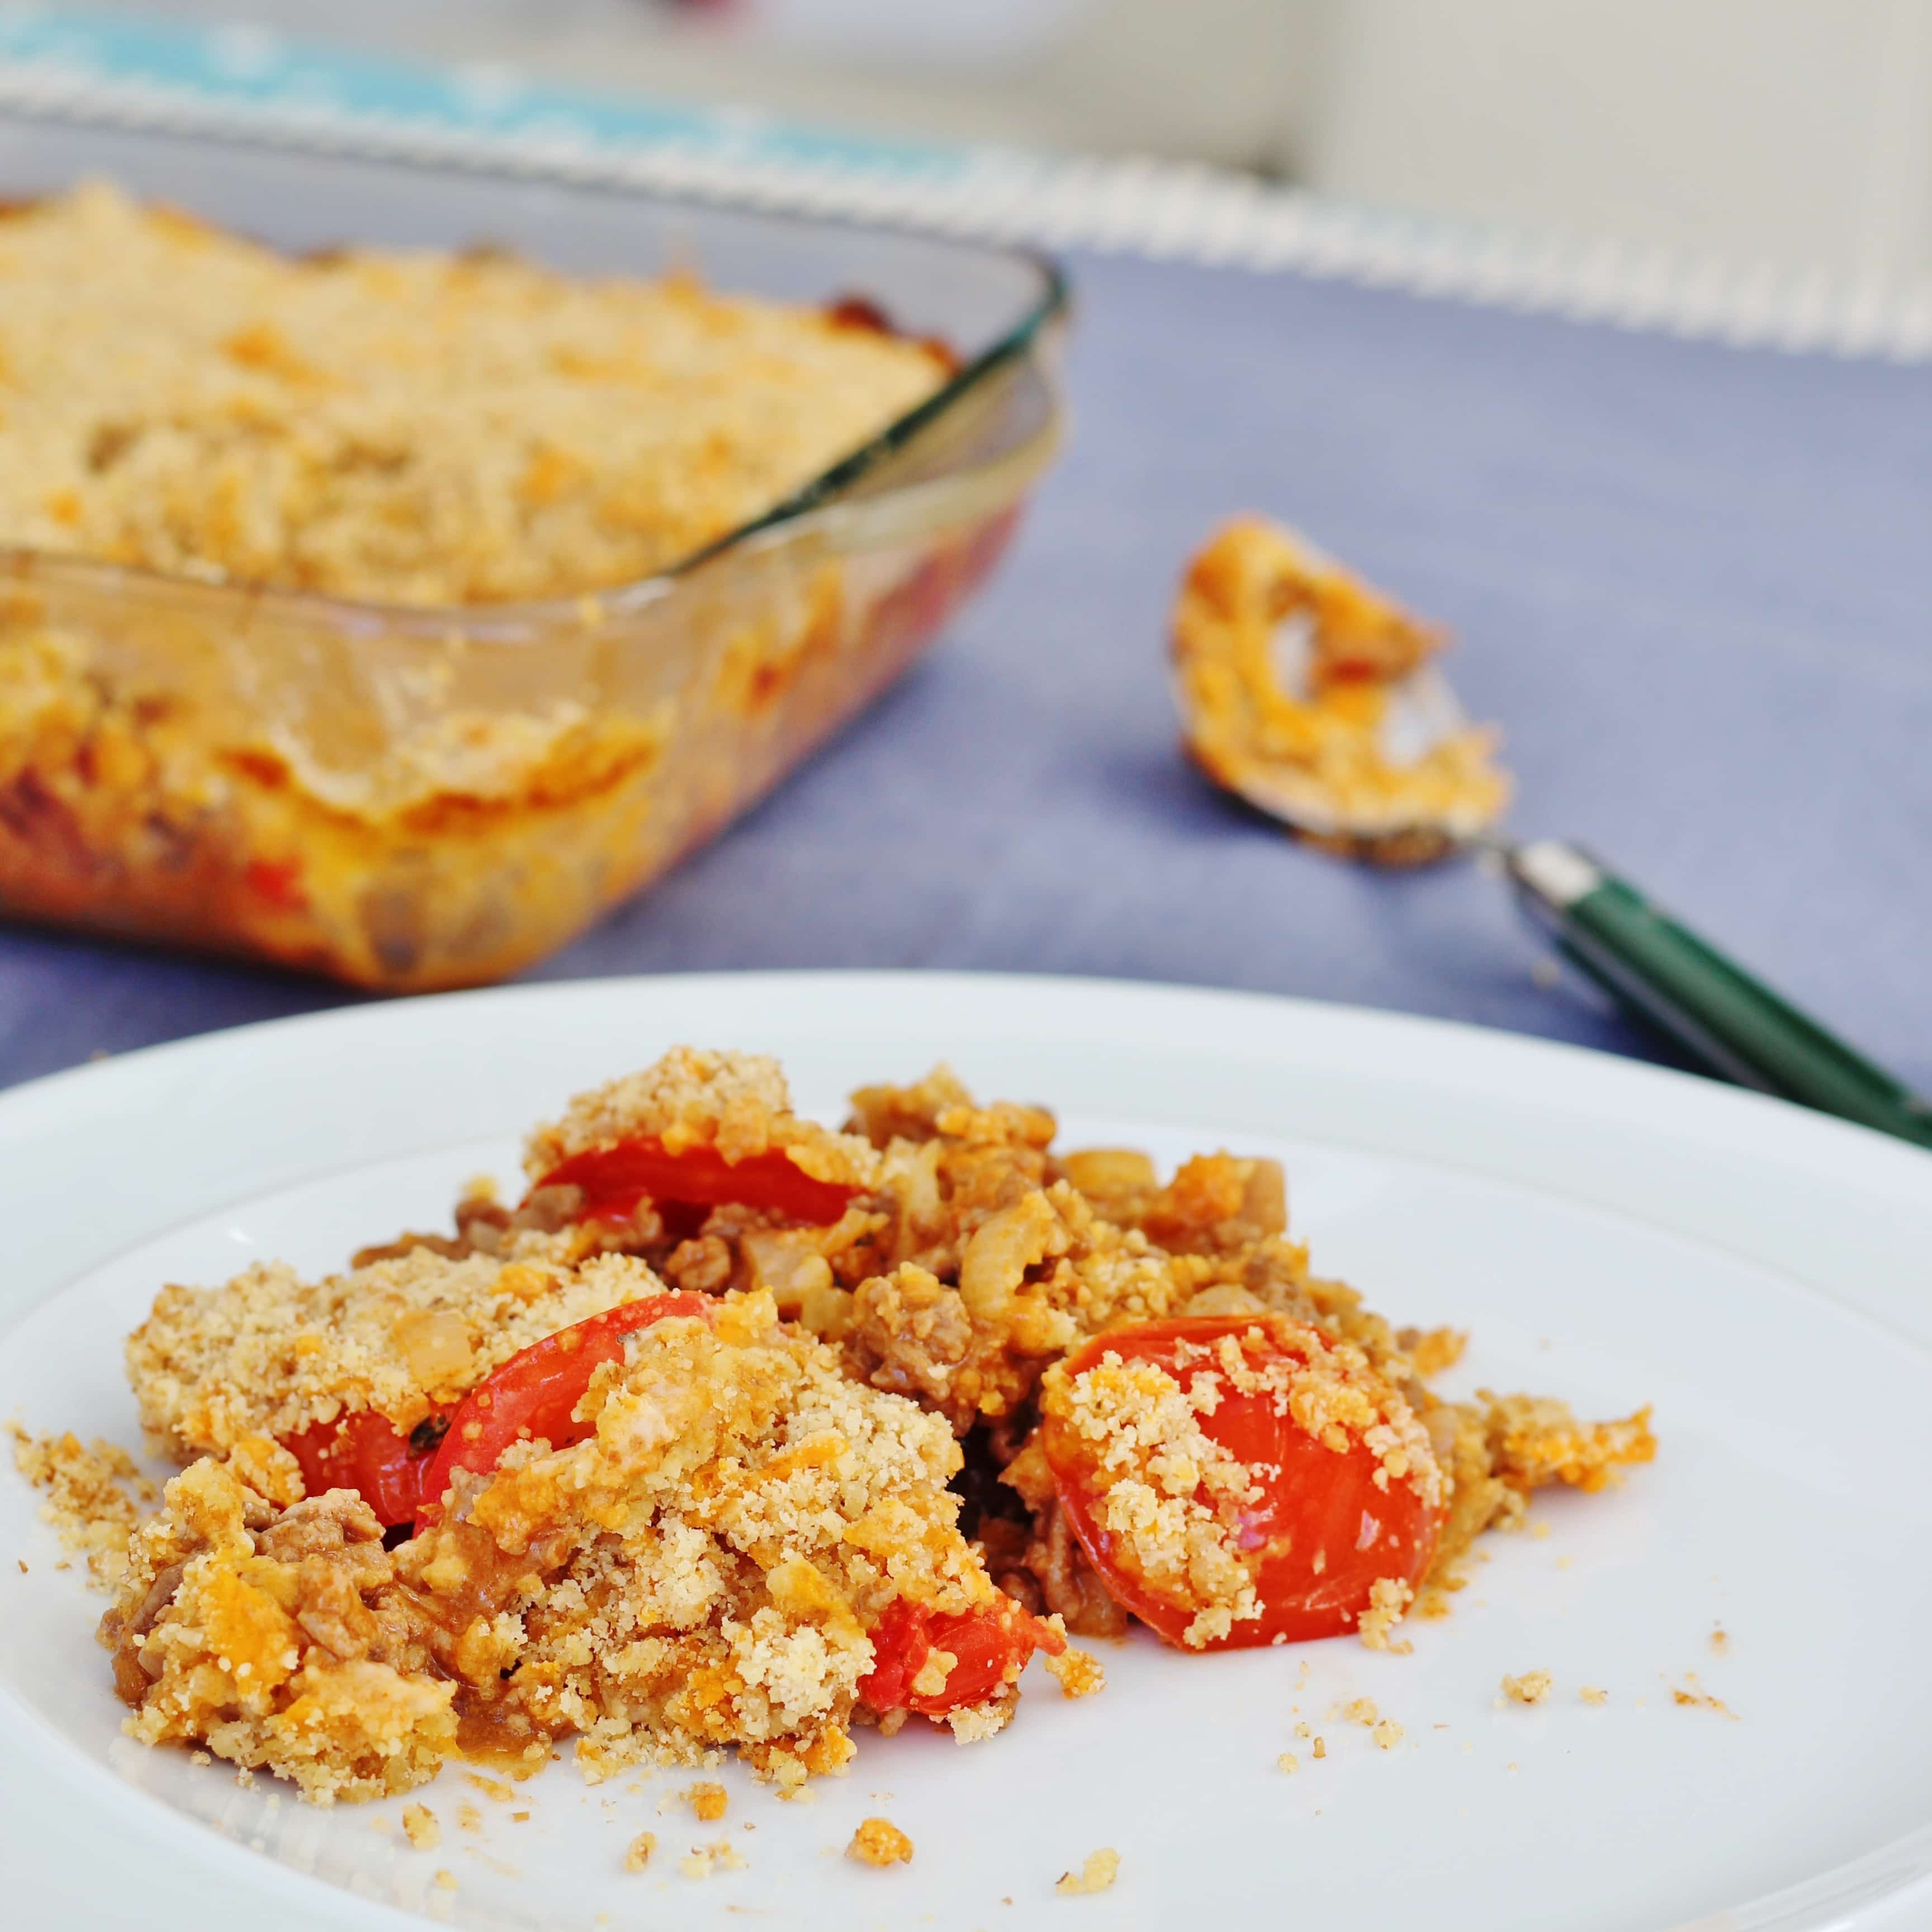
241	81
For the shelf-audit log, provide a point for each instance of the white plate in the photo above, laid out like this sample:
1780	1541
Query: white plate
1611	1233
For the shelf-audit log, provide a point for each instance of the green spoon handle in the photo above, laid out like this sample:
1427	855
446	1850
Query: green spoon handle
1734	1023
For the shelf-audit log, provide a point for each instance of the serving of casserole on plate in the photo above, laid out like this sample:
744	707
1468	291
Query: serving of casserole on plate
391	600
751	1451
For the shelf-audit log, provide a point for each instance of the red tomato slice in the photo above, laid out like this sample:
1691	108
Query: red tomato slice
363	1452
989	1647
534	1392
615	1179
1322	1533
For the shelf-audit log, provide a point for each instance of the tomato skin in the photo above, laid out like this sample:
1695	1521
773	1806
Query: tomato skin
1322	1503
533	1393
983	1642
615	1179
365	1452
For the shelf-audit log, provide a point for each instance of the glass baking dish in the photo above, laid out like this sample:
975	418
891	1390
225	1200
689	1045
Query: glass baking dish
408	799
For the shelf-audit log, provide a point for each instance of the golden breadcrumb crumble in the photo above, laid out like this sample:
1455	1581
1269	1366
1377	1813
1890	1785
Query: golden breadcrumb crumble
271	1354
415	428
878	1841
736	1102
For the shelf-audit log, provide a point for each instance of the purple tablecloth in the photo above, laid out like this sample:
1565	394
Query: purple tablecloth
1695	584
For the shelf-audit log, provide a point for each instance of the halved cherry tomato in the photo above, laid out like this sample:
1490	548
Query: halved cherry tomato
989	1647
534	1392
1322	1532
615	1179
363	1452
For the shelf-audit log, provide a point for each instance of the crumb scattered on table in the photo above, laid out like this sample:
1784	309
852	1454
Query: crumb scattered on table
1387	1734
1097	1874
636	1853
878	1841
419	1823
1288	1761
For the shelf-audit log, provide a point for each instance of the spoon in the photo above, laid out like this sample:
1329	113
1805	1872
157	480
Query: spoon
1387	769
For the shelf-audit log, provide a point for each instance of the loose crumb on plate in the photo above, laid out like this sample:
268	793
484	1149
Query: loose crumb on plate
1532	1687
701	1860
1692	1693
1387	1734
419	1822
707	1801
878	1841
1288	1762
1097	1874
1077	1672
95	1495
636	1853
1320	1747
446	1881
1591	1694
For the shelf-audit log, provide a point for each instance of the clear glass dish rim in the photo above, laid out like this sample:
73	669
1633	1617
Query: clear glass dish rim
513	621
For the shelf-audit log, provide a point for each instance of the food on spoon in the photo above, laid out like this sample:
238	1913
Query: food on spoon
1287	670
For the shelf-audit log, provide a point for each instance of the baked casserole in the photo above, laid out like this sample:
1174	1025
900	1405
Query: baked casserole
346	617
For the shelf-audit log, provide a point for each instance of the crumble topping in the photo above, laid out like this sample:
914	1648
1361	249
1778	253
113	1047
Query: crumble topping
738	1102
1173	1493
269	1354
409	428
